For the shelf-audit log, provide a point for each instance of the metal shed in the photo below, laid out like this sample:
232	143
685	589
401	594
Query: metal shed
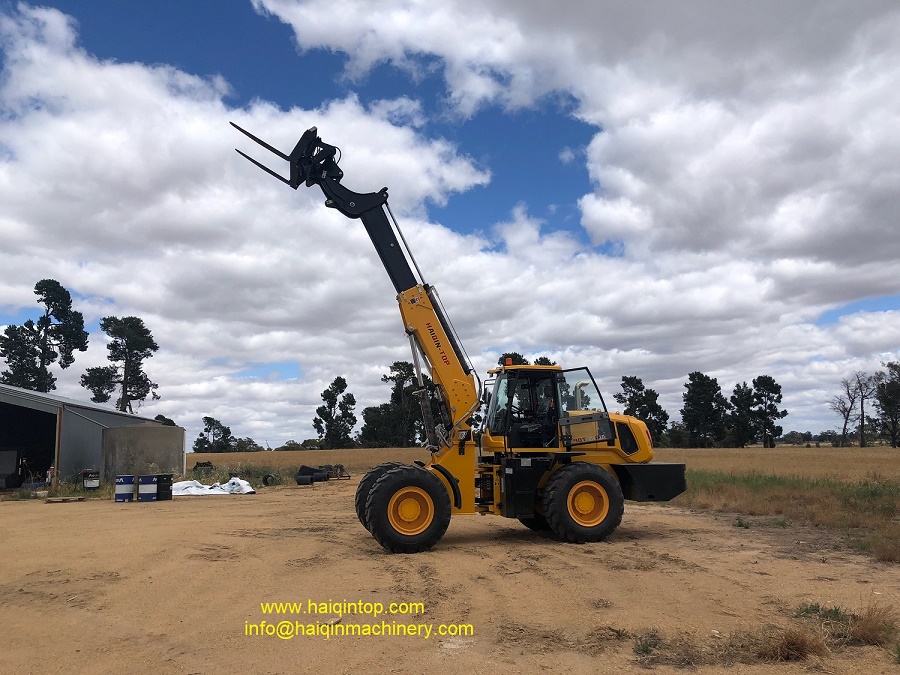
48	430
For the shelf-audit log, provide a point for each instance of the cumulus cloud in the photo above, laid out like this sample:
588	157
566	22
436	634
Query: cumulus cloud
741	161
741	175
722	126
120	180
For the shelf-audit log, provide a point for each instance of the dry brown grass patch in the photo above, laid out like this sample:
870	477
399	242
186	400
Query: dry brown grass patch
886	543
771	644
794	643
816	631
875	625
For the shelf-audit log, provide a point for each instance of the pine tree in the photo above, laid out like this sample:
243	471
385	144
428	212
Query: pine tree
765	412
704	411
644	404
335	420
30	348
740	420
130	345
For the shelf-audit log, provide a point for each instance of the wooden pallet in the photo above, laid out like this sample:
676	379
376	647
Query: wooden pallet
62	500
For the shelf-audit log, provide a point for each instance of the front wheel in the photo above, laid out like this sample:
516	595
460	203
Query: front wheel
365	486
408	510
583	502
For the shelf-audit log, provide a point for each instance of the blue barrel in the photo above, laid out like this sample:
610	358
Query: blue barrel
124	488
147	488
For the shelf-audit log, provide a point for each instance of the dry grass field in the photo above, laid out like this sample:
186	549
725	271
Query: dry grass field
354	461
847	464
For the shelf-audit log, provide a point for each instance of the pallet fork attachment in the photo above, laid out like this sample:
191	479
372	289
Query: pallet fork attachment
313	162
303	158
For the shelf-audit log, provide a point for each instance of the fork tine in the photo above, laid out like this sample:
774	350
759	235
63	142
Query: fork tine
265	168
261	142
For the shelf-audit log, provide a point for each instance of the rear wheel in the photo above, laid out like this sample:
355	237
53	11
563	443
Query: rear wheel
365	485
583	502
408	510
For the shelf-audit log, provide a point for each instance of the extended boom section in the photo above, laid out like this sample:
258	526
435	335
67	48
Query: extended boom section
314	162
547	451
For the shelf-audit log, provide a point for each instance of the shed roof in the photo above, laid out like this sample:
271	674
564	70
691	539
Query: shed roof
50	403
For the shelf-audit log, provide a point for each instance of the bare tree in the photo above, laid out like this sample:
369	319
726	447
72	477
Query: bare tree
844	404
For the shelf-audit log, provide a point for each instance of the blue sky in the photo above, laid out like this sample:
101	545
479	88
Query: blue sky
623	187
885	303
257	55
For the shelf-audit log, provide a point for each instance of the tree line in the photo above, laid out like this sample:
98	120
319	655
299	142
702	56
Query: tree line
708	419
750	415
31	348
881	390
397	423
868	405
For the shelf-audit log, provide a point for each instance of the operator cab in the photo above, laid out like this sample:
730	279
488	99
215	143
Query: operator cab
545	408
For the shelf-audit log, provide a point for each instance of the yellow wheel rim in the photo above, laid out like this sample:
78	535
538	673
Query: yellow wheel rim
410	511
588	503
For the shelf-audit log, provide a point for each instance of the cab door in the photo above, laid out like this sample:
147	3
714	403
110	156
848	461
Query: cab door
524	411
583	418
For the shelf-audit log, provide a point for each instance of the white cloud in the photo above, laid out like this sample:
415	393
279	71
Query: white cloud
743	160
723	126
744	171
121	182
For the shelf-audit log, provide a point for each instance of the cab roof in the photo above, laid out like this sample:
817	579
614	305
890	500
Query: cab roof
500	369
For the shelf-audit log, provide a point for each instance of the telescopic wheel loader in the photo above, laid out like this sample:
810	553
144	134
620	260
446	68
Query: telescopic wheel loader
547	451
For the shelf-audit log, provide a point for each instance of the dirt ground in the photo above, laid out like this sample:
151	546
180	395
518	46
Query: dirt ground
175	587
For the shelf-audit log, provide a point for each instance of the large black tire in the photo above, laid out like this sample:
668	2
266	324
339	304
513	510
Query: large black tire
408	510
538	522
583	502
365	485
